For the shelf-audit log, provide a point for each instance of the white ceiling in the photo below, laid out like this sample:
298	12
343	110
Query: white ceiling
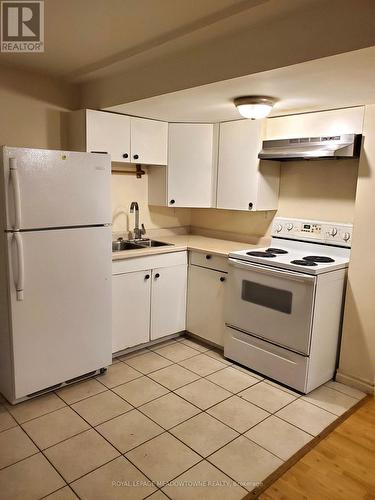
338	81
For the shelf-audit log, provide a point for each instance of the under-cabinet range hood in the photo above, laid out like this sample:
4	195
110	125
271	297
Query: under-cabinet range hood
312	148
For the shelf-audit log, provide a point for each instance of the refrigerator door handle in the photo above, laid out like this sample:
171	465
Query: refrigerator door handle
16	191
20	266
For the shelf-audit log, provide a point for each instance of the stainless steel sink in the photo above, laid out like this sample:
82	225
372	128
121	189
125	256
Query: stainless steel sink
121	245
153	243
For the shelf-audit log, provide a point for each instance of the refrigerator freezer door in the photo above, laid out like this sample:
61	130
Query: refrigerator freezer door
61	325
50	189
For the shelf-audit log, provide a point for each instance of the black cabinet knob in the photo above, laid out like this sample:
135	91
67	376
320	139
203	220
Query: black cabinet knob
172	202
222	278
125	155
147	277
251	204
157	275
208	257
135	157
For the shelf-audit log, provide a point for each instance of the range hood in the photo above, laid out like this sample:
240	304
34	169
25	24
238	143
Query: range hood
312	148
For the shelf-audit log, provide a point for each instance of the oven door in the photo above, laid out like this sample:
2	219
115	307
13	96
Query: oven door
275	305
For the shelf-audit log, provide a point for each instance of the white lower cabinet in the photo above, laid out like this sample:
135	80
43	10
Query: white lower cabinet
205	309
168	299
131	294
148	298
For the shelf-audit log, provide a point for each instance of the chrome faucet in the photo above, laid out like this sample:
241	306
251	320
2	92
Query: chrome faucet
137	231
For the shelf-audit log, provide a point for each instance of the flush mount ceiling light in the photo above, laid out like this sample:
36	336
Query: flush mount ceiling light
254	106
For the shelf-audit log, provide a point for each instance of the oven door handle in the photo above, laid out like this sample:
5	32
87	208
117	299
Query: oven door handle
272	272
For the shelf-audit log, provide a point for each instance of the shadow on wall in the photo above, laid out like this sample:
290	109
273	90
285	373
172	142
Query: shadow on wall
38	87
356	356
56	129
323	190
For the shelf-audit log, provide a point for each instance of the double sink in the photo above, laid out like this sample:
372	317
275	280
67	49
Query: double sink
121	245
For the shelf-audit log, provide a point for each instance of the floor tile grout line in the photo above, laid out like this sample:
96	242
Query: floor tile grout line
341	391
92	428
41	451
20	460
324	409
165	347
60	489
42	415
164	357
300	428
122	455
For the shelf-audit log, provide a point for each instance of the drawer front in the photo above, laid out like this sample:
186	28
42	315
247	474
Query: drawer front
272	361
210	261
143	263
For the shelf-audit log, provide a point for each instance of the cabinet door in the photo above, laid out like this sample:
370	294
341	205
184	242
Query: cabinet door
131	294
205	308
191	165
149	141
239	145
108	132
168	301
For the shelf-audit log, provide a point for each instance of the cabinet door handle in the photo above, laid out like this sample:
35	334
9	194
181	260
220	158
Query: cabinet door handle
251	204
125	155
147	277
157	275
222	278
172	202
208	257
100	152
135	157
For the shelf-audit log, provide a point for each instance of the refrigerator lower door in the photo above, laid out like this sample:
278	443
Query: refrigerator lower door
52	189
60	306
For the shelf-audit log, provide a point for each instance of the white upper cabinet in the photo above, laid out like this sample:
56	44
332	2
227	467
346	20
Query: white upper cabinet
190	179
109	133
192	164
126	139
149	140
336	121
244	182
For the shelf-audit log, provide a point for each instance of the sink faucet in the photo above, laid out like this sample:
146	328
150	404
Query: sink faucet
137	231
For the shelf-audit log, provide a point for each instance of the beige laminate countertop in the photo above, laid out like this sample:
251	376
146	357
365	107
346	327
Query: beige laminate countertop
185	242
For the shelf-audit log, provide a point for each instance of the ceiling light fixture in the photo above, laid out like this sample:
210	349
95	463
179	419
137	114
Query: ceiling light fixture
254	106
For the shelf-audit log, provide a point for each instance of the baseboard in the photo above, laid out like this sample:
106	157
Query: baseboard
362	385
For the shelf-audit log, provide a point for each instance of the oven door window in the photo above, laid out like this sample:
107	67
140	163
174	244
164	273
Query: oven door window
267	296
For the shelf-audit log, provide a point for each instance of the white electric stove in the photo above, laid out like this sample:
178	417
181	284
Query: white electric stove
284	302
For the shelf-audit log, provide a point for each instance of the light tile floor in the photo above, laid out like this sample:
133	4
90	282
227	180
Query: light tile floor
176	420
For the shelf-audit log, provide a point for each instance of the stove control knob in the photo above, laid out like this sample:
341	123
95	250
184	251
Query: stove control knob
346	236
332	231
279	228
289	226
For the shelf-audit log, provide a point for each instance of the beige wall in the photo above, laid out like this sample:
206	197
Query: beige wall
357	361
322	190
127	188
32	109
233	221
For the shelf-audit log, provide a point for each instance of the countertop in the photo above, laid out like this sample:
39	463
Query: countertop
185	242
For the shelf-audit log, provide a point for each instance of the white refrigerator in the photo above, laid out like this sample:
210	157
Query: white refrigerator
55	269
